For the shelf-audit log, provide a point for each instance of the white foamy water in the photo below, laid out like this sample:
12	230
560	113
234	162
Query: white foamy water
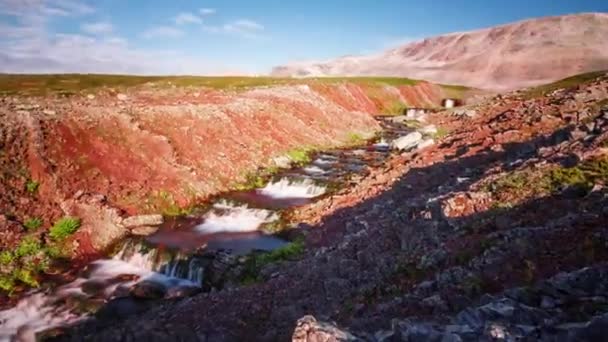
287	188
325	160
314	170
41	311
234	219
382	144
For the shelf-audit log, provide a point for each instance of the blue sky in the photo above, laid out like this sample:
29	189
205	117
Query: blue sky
238	36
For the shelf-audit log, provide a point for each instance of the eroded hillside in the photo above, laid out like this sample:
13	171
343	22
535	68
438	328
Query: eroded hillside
97	155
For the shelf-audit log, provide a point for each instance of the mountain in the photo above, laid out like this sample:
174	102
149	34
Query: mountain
517	55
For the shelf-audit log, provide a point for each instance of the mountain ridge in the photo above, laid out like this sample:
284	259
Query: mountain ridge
521	54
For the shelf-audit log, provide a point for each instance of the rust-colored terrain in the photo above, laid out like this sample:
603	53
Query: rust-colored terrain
152	148
521	54
496	232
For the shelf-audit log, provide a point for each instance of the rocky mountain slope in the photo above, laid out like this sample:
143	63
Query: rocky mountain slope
521	54
496	232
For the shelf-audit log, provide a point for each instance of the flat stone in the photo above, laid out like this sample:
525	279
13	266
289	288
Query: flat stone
142	220
144	230
407	142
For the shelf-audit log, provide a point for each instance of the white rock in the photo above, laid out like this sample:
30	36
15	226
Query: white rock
429	130
122	97
407	142
91	97
49	112
426	143
142	220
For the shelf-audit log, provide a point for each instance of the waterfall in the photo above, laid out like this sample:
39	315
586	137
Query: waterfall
287	188
228	217
135	262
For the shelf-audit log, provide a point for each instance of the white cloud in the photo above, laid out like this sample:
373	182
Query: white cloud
187	18
245	28
162	32
244	25
21	8
100	27
207	11
29	45
68	53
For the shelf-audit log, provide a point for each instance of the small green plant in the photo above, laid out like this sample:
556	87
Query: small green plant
6	258
7	283
257	261
355	139
299	156
289	251
583	176
29	246
32	186
395	108
64	228
33	223
23	264
441	133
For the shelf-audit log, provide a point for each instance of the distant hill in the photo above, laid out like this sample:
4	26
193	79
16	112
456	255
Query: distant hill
521	54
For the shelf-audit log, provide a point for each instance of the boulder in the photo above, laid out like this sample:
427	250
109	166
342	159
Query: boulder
122	97
148	290
426	143
308	329
407	142
142	220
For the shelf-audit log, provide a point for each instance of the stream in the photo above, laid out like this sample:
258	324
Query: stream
172	263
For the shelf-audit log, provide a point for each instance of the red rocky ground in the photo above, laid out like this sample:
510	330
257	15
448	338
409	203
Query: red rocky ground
515	194
102	155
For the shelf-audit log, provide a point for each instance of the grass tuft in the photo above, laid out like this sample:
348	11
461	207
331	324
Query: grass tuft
33	223
64	228
32	186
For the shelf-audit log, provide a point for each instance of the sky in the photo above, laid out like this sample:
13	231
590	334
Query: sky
234	36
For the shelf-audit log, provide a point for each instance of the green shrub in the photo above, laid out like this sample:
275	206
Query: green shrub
33	223
64	228
32	186
30	245
7	283
299	156
286	252
355	139
583	176
257	261
6	258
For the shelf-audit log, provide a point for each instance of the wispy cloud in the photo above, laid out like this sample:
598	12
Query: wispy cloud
187	18
245	28
21	8
101	27
207	11
67	53
30	42
162	32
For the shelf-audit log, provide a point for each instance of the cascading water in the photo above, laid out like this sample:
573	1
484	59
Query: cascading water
287	188
226	226
227	217
42	310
